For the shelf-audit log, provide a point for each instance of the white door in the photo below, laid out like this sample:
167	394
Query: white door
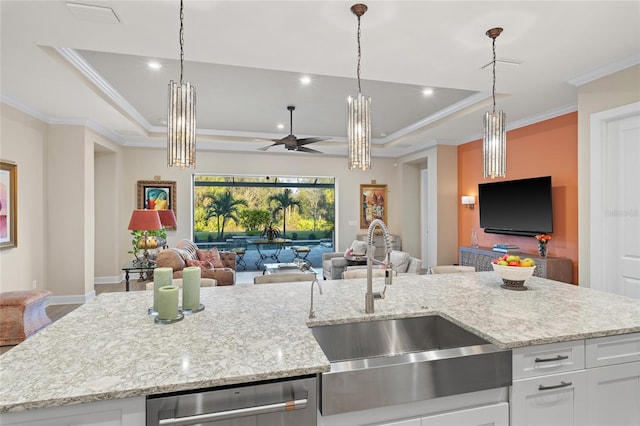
615	201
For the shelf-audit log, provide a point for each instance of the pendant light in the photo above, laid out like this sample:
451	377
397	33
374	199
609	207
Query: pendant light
359	130
494	141
181	122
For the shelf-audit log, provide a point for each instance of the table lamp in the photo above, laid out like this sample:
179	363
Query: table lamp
145	220
167	218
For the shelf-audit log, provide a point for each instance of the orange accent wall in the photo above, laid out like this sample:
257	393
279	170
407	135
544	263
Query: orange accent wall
548	148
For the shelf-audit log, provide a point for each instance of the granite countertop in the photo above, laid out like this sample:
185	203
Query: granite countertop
110	348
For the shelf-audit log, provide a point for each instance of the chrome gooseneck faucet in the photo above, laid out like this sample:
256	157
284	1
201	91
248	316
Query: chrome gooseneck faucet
312	313
388	280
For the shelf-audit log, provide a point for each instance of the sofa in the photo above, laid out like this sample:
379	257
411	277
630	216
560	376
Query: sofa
186	253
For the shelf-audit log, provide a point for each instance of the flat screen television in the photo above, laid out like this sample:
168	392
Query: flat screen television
516	207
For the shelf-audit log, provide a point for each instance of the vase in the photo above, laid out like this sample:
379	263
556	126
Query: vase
542	249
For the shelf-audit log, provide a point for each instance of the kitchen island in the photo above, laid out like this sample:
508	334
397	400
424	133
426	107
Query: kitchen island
109	348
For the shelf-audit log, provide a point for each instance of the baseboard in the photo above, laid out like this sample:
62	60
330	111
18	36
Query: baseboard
114	279
75	299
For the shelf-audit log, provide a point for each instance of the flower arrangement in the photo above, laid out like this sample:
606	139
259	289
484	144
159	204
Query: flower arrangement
543	239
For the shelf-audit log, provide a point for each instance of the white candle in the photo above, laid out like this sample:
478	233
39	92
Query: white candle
191	287
161	277
168	302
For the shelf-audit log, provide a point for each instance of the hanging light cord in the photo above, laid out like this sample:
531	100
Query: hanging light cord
181	37
359	56
494	74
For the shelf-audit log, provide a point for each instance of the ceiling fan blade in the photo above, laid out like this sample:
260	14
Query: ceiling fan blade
264	148
310	150
305	141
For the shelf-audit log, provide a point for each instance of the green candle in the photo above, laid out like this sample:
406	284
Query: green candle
167	302
191	287
161	277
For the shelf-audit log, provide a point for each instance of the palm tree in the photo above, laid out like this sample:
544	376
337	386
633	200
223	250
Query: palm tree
284	202
223	206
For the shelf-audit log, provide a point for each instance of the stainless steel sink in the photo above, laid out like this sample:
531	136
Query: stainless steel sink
385	362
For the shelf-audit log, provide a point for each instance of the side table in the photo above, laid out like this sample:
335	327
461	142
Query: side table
356	260
136	267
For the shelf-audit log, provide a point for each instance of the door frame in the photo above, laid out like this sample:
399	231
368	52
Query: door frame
599	138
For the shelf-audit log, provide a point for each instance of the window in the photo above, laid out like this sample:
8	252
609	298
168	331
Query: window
228	207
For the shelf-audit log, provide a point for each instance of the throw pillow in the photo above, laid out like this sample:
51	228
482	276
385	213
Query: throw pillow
212	256
399	260
359	248
202	264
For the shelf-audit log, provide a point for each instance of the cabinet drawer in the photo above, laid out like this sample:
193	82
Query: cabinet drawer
548	359
612	350
555	399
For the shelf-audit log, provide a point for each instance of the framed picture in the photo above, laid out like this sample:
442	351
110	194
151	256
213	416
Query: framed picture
157	195
8	205
373	204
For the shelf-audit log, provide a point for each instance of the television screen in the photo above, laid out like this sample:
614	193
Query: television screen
516	207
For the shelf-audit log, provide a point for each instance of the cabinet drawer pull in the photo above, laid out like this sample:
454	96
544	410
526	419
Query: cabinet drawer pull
558	358
561	385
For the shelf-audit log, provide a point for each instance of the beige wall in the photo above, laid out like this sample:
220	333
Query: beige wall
609	92
144	164
66	199
77	190
22	141
441	165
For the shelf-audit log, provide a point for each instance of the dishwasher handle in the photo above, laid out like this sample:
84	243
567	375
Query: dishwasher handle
292	405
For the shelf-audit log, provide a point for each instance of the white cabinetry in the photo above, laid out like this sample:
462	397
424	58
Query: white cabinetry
487	408
117	412
613	380
549	385
490	415
594	382
556	399
410	422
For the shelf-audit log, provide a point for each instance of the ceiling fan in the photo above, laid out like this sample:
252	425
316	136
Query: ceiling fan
291	142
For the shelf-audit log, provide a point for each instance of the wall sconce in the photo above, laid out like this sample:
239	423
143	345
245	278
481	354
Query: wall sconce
469	201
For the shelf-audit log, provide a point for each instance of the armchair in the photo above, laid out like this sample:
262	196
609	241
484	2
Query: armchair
401	263
334	264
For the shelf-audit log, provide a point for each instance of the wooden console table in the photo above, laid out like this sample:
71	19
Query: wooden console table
553	268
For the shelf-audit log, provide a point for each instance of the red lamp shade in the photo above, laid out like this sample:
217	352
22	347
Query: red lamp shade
145	220
167	218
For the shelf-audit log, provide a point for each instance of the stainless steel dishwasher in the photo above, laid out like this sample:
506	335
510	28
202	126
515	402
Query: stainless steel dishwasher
274	403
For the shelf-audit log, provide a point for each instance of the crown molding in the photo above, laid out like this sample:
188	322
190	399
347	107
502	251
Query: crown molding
605	70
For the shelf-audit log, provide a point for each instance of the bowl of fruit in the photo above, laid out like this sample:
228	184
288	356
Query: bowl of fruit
513	270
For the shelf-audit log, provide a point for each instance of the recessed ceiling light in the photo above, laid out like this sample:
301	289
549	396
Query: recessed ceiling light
280	126
154	65
427	91
305	79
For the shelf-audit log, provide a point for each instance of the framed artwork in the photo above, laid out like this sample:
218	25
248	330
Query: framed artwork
373	204
8	205
157	195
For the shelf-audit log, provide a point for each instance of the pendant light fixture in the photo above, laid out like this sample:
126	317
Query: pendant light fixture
359	130
181	122
494	142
